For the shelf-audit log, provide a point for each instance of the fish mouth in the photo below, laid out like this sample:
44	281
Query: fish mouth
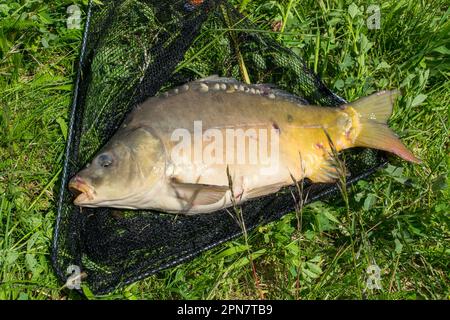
82	191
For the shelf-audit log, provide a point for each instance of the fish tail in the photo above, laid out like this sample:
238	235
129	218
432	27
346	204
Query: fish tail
374	112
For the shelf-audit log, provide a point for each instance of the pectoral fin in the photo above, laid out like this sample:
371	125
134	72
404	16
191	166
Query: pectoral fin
199	194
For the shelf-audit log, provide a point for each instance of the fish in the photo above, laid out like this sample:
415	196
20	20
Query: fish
216	142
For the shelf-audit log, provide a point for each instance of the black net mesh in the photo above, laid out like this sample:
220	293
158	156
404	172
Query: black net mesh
131	50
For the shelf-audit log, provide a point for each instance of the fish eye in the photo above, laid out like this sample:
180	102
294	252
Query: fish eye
104	160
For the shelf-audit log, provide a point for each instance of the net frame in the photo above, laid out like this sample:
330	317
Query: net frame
116	261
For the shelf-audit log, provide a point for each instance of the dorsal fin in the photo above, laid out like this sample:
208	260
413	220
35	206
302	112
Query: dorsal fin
282	94
265	89
216	78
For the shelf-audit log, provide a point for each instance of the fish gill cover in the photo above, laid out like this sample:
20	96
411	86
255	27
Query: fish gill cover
131	50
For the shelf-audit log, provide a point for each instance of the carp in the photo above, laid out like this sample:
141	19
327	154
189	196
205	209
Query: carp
178	152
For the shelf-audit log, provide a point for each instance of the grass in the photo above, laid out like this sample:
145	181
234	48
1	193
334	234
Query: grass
398	219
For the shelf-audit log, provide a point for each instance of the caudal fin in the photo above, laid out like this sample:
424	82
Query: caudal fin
374	111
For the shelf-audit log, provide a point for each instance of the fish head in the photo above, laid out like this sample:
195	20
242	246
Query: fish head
122	172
